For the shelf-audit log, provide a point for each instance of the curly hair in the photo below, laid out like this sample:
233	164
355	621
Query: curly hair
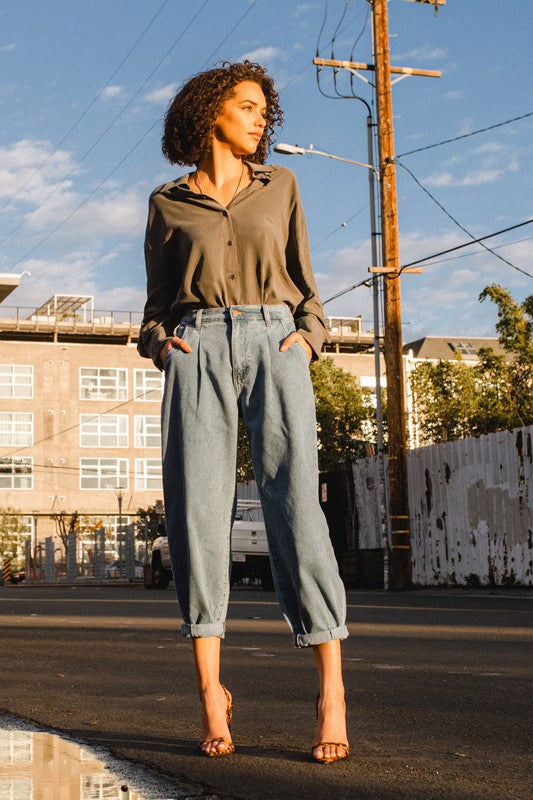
191	116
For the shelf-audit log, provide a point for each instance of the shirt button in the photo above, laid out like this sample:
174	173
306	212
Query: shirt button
230	242
232	277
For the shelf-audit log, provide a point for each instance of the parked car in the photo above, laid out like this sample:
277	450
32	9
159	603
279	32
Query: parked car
117	569
249	552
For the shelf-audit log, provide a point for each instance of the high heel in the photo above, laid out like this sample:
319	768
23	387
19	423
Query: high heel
342	745
230	747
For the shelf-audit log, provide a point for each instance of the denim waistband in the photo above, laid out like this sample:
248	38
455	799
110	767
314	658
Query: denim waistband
266	313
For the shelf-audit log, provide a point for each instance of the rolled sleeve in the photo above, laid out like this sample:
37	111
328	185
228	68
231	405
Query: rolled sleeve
308	314
157	325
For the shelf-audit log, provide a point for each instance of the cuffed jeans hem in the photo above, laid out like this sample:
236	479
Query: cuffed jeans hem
203	631
307	639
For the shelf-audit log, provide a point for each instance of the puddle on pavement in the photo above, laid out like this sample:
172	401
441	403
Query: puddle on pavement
36	765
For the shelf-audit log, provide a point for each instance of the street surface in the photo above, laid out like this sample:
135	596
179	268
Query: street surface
438	690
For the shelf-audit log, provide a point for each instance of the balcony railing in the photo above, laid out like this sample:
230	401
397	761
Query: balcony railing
26	319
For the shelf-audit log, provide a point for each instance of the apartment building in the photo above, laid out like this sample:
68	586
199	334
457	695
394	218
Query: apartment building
79	416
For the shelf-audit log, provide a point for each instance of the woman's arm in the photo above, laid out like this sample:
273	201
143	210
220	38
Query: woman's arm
157	325
309	315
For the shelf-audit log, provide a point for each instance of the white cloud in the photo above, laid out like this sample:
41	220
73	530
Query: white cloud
454	94
303	8
489	147
424	53
110	92
473	178
8	48
34	166
162	95
261	54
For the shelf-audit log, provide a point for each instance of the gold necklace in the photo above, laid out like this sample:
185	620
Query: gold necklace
199	185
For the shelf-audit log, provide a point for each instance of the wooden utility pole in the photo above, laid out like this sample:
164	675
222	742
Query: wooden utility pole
400	558
398	503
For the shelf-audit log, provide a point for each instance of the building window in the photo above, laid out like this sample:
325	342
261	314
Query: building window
147	431
103	473
104	430
16	428
148	474
16	380
103	383
148	385
16	473
465	348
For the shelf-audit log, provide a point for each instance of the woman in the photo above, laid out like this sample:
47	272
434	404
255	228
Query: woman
233	318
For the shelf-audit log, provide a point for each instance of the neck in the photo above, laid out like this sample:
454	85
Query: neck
221	166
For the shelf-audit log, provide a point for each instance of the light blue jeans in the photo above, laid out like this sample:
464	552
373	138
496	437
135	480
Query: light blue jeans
236	367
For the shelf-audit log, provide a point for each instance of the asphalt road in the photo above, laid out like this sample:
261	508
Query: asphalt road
438	690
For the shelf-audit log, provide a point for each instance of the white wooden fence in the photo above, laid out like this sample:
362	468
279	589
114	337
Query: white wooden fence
470	504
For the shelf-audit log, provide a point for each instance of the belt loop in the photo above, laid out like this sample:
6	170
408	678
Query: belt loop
198	322
266	315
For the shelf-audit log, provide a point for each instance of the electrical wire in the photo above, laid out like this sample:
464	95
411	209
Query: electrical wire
465	135
132	149
87	109
342	225
435	255
77	425
368	282
224	40
469	244
431	263
101	136
456	222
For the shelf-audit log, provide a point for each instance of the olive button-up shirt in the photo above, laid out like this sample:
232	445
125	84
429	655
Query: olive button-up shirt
201	254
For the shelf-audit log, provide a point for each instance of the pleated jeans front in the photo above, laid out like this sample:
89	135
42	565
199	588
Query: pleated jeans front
236	367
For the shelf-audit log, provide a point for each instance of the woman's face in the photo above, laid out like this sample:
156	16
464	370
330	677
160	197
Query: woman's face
241	121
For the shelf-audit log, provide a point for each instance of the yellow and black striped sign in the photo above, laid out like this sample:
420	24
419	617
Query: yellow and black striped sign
6	570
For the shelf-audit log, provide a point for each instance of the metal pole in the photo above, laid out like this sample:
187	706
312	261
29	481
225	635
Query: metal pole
383	510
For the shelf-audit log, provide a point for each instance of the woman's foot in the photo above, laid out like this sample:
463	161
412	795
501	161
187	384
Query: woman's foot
217	709
332	740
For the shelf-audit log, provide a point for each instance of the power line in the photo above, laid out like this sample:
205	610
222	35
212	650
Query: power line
342	225
77	425
132	149
435	255
431	263
99	139
456	222
464	135
469	244
225	39
87	109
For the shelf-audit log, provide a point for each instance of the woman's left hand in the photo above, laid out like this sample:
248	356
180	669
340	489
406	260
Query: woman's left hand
294	337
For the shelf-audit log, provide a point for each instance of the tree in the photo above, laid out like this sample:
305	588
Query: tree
150	525
343	411
453	400
65	525
345	416
11	532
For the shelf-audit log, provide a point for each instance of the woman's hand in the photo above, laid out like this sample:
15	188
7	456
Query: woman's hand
294	337
174	341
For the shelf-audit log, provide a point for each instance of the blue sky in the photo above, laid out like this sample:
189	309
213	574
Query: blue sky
85	86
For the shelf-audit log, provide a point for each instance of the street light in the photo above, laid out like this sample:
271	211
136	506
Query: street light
290	149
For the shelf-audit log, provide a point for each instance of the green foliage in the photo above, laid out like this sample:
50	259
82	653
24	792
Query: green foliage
342	409
453	400
148	524
11	531
345	417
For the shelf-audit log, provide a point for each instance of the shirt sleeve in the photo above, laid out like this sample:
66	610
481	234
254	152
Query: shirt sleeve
308	315
157	325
